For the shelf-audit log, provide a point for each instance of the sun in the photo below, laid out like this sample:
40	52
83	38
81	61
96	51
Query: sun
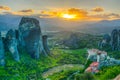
69	16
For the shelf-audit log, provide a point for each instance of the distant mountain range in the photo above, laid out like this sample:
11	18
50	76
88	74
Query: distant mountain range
7	26
55	24
105	26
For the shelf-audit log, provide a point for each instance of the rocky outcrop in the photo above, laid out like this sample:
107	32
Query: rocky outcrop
28	36
12	44
45	44
113	40
2	53
72	42
105	41
31	37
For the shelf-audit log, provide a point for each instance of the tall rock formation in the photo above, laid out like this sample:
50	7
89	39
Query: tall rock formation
30	37
113	40
105	41
2	53
12	44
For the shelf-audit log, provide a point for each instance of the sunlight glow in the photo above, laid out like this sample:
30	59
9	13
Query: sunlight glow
68	16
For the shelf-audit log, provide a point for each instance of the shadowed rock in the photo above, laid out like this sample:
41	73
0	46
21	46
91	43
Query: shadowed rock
11	44
114	39
31	37
45	43
2	53
105	41
119	40
107	38
72	42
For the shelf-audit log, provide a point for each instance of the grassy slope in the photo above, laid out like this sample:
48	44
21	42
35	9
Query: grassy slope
29	68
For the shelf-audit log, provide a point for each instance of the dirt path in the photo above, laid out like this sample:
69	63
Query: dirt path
61	68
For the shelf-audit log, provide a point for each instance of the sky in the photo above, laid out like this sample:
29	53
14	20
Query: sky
82	9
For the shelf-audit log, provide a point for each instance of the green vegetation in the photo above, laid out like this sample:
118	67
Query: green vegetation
108	73
28	68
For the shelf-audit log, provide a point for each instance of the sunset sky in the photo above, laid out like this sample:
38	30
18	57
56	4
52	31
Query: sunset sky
72	9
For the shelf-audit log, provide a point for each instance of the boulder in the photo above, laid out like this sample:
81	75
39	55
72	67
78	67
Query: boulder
30	37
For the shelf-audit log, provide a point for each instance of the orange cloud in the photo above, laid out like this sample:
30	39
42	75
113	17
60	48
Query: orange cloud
4	8
26	12
80	13
49	14
98	9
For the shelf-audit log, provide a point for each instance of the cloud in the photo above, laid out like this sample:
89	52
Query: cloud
80	13
5	8
113	16
107	16
27	11
50	14
98	9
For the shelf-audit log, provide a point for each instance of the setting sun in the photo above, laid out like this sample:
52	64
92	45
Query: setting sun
68	16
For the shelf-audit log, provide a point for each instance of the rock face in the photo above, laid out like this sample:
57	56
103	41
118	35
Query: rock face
113	40
45	44
107	38
2	53
12	44
72	41
31	37
105	41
